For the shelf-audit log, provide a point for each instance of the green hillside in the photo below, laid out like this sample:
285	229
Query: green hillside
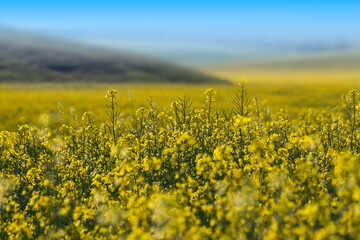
30	58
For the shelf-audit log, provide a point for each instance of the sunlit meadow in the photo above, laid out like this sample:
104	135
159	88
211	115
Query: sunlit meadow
179	119
193	168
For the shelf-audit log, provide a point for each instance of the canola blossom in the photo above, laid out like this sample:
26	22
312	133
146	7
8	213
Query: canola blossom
185	173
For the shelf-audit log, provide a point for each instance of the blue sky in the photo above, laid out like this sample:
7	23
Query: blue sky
248	19
218	22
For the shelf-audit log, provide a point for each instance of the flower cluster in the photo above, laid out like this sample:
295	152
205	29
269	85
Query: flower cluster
188	173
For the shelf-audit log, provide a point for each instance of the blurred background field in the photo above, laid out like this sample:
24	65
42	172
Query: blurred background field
32	103
295	55
331	68
40	73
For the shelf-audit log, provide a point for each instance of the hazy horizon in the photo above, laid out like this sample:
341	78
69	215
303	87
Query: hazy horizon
203	32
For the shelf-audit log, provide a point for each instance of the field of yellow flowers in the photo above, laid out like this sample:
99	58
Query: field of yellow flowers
185	172
40	104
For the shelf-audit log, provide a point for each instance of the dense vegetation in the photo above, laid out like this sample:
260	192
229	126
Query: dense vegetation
195	173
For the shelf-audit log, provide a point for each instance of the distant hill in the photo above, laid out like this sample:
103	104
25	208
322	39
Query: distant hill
339	61
31	58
